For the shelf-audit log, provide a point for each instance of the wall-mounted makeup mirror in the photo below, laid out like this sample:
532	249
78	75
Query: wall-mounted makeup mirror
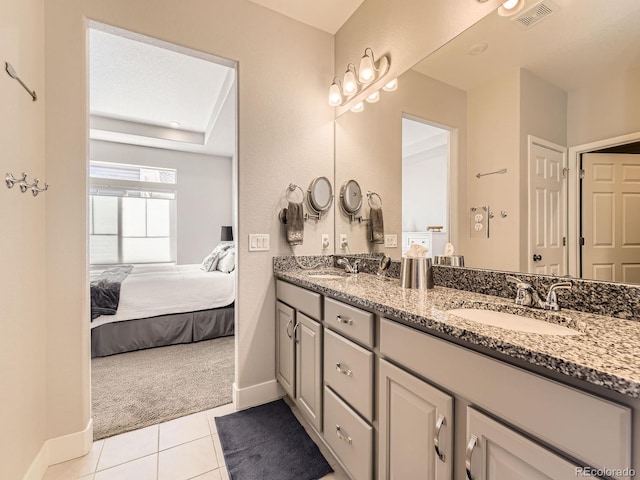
319	196
351	198
526	98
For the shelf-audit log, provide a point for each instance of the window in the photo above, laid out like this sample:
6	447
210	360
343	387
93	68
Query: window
132	214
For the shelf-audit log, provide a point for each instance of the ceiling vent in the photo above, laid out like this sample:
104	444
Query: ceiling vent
537	13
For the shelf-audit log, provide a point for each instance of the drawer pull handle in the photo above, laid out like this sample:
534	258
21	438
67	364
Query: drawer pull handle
346	321
295	336
288	325
342	435
342	370
467	457
436	437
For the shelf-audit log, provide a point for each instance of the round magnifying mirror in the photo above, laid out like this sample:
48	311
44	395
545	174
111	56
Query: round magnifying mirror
351	197
320	194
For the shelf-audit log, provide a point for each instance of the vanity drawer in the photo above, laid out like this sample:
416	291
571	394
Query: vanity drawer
350	438
353	322
300	299
588	428
348	369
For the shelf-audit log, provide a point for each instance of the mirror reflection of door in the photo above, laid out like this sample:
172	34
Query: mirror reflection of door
547	208
425	193
611	217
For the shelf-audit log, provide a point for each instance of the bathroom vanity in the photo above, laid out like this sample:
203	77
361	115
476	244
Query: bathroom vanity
399	386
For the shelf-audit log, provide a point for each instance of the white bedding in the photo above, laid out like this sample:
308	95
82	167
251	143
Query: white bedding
149	291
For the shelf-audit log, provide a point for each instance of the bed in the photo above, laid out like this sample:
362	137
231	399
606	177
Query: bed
166	305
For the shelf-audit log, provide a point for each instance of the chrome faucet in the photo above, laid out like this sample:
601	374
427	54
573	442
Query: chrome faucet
344	262
551	303
525	295
528	297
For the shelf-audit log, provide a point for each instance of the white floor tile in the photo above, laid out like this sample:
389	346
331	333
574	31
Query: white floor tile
145	468
183	430
188	460
212	475
76	468
128	446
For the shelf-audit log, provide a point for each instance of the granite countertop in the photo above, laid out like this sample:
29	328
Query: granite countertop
606	352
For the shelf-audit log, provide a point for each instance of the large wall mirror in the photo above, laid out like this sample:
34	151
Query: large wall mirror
510	112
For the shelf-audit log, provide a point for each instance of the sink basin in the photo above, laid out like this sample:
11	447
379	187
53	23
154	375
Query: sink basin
510	321
326	276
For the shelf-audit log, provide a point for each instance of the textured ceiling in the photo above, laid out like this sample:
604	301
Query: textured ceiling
584	39
150	85
327	15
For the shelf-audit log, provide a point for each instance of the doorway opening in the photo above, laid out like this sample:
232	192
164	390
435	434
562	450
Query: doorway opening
162	220
426	155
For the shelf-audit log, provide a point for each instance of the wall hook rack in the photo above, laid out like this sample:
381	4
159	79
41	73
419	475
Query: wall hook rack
35	187
12	73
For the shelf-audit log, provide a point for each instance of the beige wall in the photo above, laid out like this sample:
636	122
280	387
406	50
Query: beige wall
285	135
405	30
369	150
606	108
22	240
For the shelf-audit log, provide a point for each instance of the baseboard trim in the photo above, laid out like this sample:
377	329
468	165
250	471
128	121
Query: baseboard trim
60	449
256	394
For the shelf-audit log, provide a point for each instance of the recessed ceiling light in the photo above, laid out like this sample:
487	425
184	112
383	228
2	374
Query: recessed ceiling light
510	7
174	124
477	49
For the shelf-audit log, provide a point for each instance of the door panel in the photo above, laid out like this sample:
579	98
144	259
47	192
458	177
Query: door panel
309	369
285	353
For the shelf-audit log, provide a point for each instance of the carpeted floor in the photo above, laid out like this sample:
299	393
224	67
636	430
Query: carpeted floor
137	389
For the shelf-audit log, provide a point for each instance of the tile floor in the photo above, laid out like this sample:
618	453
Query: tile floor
182	449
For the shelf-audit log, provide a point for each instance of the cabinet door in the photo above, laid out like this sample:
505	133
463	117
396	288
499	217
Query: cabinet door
308	339
416	427
495	452
285	354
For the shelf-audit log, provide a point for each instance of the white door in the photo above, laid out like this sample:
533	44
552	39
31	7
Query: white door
495	452
611	217
285	352
308	339
547	208
416	428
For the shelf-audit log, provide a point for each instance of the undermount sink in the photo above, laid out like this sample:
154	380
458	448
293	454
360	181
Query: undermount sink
510	321
326	276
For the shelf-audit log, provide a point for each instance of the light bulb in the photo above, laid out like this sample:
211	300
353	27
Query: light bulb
510	4
391	86
335	97
358	107
510	7
349	84
367	69
374	97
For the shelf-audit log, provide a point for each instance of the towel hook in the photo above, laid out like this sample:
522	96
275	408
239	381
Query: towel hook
292	188
35	188
22	182
371	194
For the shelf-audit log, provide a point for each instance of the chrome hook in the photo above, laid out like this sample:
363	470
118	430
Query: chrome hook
11	181
35	188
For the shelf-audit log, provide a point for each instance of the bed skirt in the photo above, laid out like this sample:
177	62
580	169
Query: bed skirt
130	335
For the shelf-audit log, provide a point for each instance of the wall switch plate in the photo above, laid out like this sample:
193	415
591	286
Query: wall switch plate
325	241
391	241
344	243
259	242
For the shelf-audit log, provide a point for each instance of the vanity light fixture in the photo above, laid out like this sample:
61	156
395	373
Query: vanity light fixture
358	107
335	93
391	86
349	82
510	7
355	81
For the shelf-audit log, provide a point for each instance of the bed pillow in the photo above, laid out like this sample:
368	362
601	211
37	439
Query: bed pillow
227	261
210	262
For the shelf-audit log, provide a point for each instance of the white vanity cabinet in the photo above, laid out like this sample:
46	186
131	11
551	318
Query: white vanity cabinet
299	348
496	452
415	428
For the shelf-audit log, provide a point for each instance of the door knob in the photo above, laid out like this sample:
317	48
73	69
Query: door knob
536	257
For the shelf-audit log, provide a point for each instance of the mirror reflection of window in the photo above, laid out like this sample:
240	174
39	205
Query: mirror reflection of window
425	159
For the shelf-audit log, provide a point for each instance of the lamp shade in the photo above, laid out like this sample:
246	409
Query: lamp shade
226	234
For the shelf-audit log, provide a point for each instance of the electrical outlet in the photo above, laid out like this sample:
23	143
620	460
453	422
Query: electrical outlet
325	241
391	241
259	242
344	243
